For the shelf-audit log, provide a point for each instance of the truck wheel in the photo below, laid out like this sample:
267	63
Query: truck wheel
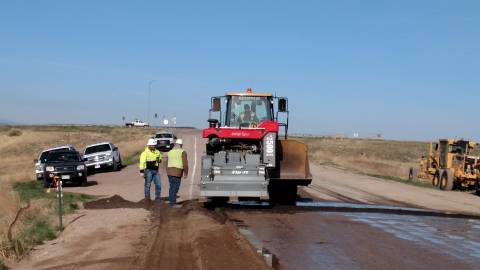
84	182
120	165
435	179
446	181
413	174
477	187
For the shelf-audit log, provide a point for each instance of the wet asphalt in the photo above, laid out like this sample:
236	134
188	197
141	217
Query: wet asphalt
325	235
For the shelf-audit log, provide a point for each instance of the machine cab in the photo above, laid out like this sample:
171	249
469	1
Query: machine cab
454	153
247	110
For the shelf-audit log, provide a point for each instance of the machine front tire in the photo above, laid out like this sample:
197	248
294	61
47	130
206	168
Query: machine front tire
436	179
413	174
446	181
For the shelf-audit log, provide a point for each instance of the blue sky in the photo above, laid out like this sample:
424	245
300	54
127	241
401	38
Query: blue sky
405	69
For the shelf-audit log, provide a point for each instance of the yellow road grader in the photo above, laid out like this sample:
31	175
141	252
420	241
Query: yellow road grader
449	165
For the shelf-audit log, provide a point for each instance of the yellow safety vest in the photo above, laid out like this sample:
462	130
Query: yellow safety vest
150	158
175	159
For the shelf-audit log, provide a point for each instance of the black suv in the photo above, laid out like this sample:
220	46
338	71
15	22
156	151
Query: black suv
68	165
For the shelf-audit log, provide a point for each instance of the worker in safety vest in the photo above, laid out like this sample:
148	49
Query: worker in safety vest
150	160
176	168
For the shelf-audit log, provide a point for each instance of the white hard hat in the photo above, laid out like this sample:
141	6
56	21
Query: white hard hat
179	141
152	142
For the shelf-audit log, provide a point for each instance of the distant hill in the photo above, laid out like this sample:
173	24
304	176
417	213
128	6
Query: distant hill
7	122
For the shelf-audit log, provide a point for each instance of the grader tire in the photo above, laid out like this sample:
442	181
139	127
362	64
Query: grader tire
413	174
446	181
436	179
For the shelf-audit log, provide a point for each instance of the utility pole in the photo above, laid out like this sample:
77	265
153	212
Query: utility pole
149	97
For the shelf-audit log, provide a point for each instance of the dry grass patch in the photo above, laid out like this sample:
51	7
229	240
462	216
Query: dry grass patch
18	151
378	157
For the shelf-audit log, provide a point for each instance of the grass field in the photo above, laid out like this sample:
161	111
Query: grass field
373	157
19	146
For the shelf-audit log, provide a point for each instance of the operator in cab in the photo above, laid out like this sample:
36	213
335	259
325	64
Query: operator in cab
248	116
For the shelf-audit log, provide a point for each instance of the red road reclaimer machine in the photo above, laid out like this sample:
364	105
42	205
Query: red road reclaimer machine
246	156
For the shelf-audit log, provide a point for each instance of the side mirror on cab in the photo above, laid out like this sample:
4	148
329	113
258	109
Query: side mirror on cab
282	105
35	161
216	104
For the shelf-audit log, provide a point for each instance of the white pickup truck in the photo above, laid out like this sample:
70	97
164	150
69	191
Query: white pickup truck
165	140
103	155
137	123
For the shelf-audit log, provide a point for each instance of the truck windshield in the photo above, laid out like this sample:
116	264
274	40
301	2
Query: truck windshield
44	155
97	148
248	110
159	136
57	156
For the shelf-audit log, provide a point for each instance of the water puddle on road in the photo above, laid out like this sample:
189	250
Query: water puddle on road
457	237
455	234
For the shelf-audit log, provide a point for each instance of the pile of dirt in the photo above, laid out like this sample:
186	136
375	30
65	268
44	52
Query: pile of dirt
195	238
114	202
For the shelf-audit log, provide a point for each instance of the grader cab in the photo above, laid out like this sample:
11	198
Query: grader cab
450	165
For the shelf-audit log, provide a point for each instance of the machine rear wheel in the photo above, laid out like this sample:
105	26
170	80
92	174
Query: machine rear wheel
446	181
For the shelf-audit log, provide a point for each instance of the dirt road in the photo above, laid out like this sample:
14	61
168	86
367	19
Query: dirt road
318	240
118	231
331	184
366	236
122	232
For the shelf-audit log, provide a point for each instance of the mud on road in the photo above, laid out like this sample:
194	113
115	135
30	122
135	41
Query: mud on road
362	236
190	237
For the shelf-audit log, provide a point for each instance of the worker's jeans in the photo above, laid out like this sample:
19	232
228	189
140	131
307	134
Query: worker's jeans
174	187
155	176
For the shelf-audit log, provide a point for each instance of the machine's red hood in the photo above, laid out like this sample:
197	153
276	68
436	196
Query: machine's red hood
243	133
